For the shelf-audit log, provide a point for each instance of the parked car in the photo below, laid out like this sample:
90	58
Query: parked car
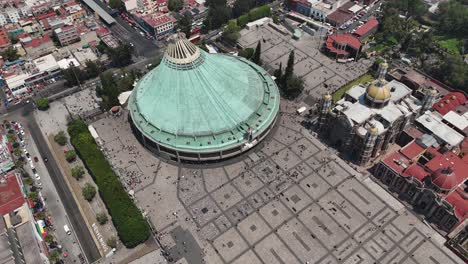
36	159
37	176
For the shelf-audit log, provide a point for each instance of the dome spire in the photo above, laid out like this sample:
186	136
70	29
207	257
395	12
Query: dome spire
181	51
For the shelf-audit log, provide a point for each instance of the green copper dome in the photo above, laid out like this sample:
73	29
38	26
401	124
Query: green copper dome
199	102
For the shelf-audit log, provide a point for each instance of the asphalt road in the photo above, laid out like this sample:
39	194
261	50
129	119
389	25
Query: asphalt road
76	219
143	47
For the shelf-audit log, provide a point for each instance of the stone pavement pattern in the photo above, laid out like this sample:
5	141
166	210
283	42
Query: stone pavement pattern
289	200
320	73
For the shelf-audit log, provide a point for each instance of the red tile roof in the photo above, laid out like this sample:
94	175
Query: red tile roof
416	171
459	200
450	102
397	162
11	197
102	31
412	150
447	160
46	15
371	24
37	42
343	39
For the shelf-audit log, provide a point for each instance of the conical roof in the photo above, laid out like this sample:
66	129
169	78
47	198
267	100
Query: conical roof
194	100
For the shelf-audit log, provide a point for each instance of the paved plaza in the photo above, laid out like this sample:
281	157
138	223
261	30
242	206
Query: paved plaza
288	200
320	73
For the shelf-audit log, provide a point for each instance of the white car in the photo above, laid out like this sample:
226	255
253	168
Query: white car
31	164
37	176
22	132
38	183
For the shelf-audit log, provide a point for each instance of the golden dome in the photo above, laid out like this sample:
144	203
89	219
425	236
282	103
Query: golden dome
378	91
373	130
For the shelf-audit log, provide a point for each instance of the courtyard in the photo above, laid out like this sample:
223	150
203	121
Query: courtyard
288	200
320	73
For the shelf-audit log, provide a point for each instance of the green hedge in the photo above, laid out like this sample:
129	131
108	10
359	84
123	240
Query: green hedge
128	220
254	14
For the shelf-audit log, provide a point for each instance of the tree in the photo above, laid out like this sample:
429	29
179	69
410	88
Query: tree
408	7
49	238
33	196
453	18
70	155
42	104
111	242
175	5
28	181
61	138
10	54
11	138
77	172
294	87
92	69
54	257
41	215
218	14
231	32
246	53
116	4
101	218
279	73
74	75
88	191
256	56
121	56
17	152
289	71
19	164
185	25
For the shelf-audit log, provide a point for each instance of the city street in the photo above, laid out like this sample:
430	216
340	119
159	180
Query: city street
143	47
60	201
53	204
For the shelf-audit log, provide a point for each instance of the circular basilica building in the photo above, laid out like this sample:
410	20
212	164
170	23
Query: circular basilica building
198	106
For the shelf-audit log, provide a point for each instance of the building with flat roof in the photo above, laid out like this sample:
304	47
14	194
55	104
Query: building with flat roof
199	106
67	34
157	25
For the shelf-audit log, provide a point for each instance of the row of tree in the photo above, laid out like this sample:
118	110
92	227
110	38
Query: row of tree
219	13
74	75
290	84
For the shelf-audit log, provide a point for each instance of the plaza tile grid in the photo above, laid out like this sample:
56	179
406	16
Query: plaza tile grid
287	201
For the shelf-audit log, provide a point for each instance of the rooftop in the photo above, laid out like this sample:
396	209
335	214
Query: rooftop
452	161
458	121
434	124
36	42
159	20
11	196
200	104
345	39
369	25
450	102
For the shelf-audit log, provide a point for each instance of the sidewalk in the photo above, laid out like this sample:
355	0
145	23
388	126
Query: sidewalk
88	209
